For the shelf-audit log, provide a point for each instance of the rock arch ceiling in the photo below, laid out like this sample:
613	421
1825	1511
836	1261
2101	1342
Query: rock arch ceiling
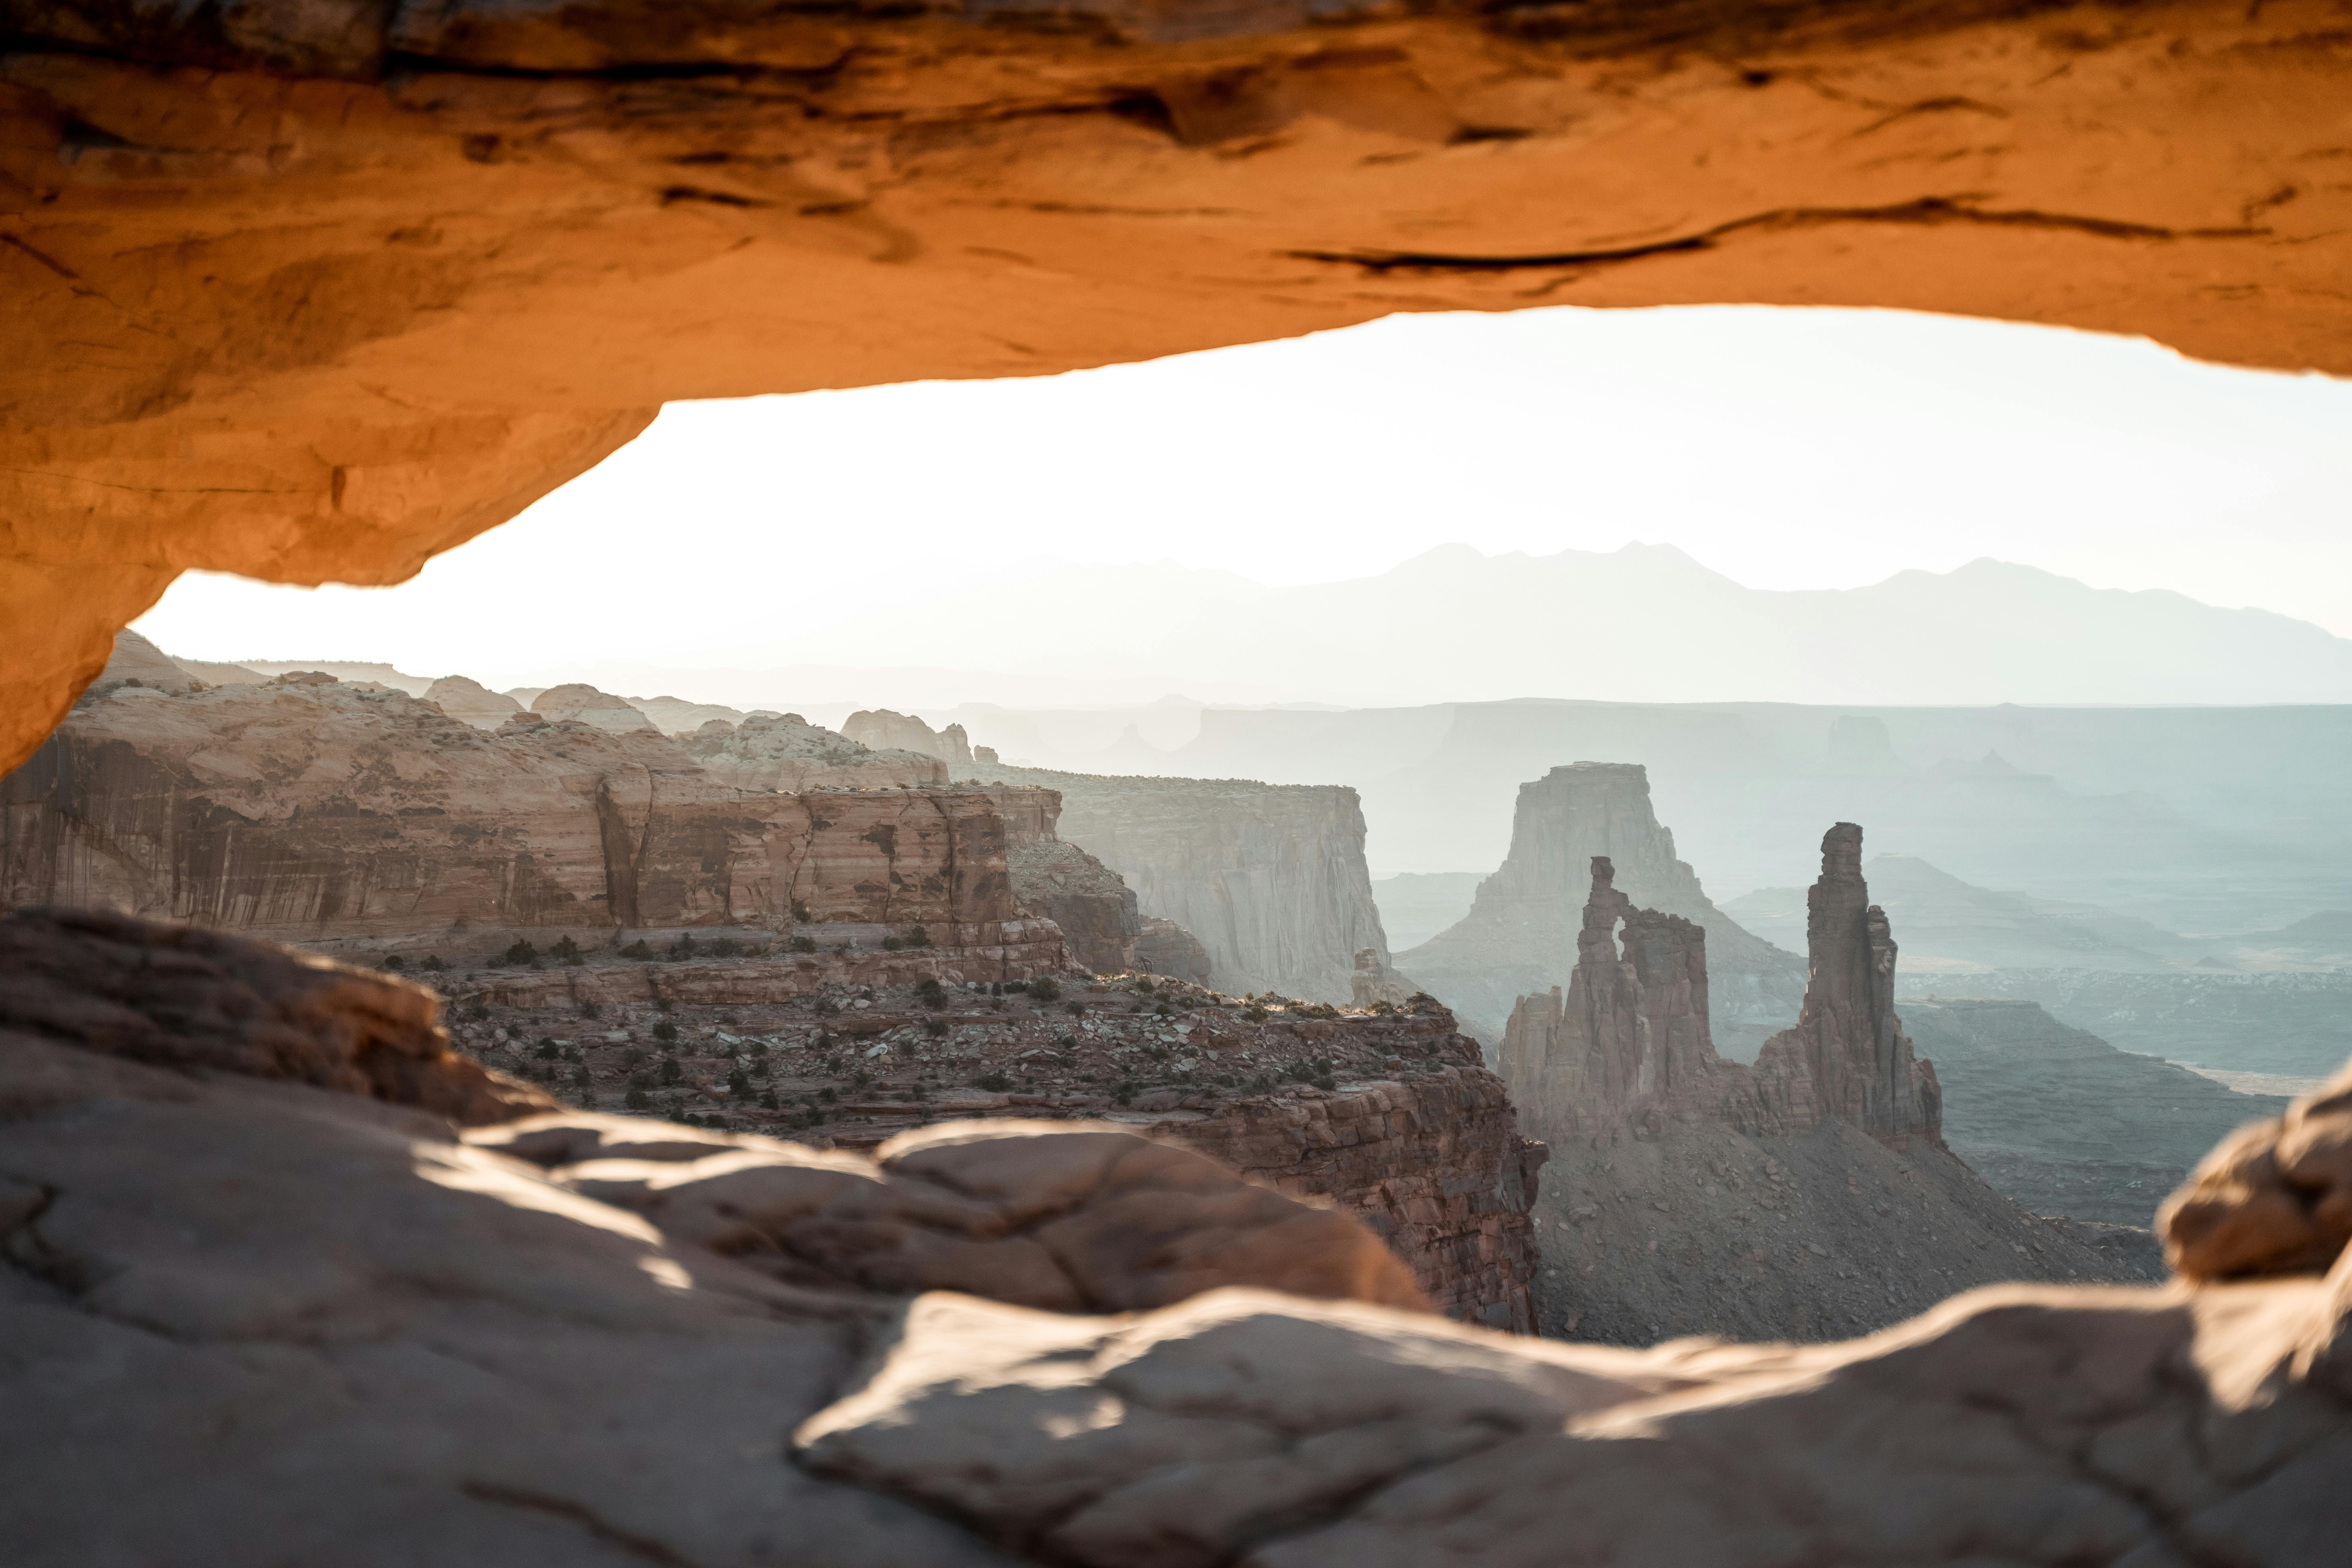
311	290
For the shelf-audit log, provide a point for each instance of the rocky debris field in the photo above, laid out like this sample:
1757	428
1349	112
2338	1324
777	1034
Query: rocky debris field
848	1065
1702	1229
1387	1112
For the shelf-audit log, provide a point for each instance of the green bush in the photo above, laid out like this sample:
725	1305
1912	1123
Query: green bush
916	937
683	948
930	993
804	944
994	1082
432	964
1045	989
636	1099
1124	1093
665	1030
935	1027
545	1051
638	951
520	952
671	1073
726	947
395	963
738	1084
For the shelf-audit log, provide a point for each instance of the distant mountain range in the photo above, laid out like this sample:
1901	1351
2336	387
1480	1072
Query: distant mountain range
1644	623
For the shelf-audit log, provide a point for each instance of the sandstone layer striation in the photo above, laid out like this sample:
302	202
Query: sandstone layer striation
1093	905
1524	930
313	811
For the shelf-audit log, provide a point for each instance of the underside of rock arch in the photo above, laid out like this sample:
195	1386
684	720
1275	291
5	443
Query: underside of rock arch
312	291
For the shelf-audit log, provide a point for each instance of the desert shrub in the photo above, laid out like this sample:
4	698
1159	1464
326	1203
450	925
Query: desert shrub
804	944
935	1027
395	963
671	1073
768	1100
892	945
632	1056
520	952
545	1051
567	952
683	948
1045	989
726	947
582	1077
432	964
637	1099
916	937
641	1079
800	911
1074	1009
590	1010
828	1095
994	1082
638	951
738	1084
1255	1014
1123	1092
930	993
665	1031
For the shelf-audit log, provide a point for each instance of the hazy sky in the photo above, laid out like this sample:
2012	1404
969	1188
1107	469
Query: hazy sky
1785	448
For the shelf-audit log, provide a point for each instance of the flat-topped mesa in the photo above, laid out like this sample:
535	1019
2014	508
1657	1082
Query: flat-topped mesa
1848	1057
1522	932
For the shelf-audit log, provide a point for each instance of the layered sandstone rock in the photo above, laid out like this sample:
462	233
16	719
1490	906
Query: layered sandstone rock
1163	947
136	660
575	1337
315	811
1095	909
470	702
884	730
1388	1114
676	716
1524	928
786	752
1270	878
589	706
1805	1196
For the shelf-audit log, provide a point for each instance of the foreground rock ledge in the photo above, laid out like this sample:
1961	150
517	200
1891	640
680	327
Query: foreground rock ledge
258	1306
312	293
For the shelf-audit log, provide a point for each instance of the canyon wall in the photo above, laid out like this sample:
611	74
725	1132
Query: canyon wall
1524	928
884	729
1095	908
1270	878
311	810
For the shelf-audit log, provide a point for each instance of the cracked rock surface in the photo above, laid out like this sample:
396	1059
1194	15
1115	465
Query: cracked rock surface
252	1311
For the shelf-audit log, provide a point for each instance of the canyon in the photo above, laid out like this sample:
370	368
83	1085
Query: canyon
1809	1195
1269	880
1524	930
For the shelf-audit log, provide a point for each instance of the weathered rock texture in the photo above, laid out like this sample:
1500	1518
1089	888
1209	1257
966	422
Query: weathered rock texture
885	731
786	752
576	1338
1631	1042
1163	947
1806	1196
1270	878
2275	1198
316	292
1095	909
1389	1113
315	811
589	706
471	702
1524	930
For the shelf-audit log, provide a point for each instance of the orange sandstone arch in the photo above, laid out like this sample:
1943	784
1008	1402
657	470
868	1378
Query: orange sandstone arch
311	292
